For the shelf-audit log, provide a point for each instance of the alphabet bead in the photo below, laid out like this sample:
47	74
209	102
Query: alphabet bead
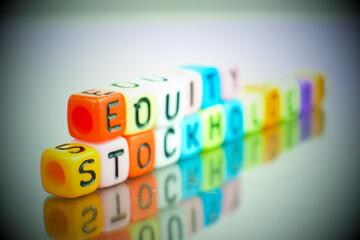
141	153
193	89
290	99
168	145
234	120
79	218
114	160
272	103
211	84
272	143
306	96
70	170
191	136
253	106
214	126
234	158
96	115
230	81
141	106
169	90
318	86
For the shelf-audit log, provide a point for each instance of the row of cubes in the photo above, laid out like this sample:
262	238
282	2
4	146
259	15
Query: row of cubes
74	169
187	196
164	99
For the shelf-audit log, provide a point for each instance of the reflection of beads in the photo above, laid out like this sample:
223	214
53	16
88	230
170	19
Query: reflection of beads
130	128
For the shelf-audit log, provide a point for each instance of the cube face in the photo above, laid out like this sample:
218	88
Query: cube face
168	186
253	150
169	90
212	206
116	207
191	176
194	215
141	153
114	160
96	115
70	170
168	145
234	158
214	126
172	223
253	105
272	106
230	82
191	136
145	229
306	96
79	218
211	84
213	167
143	195
290	99
141	106
234	120
318	86
193	89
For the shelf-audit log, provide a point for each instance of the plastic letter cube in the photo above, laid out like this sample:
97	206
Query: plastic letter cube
191	136
253	105
168	182
193	89
214	126
96	115
169	90
290	99
141	106
191	176
211	84
172	223
317	122
141	153
212	206
114	160
167	145
306	96
143	195
213	167
318	86
272	103
116	206
230	81
70	170
234	120
79	218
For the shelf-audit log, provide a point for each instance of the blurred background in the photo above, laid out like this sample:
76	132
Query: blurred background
51	49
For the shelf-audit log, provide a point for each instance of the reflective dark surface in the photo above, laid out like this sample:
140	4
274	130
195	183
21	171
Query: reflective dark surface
297	180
